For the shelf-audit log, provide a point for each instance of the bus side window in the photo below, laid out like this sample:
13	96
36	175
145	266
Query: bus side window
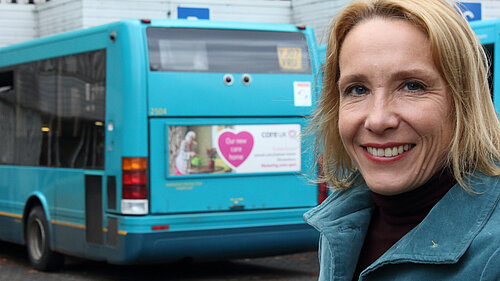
7	115
52	112
80	114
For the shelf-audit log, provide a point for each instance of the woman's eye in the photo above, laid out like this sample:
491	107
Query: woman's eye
413	86
357	90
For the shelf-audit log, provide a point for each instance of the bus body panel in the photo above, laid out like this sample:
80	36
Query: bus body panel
55	46
131	89
176	94
197	237
126	106
48	185
210	245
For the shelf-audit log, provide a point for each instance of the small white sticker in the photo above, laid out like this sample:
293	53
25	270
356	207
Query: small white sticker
302	93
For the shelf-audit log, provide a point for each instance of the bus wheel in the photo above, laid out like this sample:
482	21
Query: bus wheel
37	241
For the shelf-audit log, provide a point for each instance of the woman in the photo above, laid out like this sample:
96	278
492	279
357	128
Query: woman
187	150
410	142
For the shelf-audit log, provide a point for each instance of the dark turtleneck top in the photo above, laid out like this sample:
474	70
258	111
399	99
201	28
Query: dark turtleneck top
396	215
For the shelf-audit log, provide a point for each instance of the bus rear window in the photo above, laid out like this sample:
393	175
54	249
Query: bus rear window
227	50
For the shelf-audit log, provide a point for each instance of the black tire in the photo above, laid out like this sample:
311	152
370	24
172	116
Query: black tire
37	242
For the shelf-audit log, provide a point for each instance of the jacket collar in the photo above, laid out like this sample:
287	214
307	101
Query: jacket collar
343	220
442	237
338	206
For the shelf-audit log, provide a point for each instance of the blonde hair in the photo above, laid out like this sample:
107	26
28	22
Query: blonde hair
462	63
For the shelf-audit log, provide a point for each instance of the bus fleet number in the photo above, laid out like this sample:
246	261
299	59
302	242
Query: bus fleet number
158	111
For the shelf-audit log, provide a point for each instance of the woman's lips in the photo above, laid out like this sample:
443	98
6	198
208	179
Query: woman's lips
390	151
387	152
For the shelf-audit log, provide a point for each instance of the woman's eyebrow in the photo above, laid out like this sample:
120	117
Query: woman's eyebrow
398	75
413	73
350	78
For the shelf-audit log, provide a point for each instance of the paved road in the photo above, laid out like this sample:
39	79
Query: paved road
14	266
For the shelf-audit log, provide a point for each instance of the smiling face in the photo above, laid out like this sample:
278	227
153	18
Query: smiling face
395	116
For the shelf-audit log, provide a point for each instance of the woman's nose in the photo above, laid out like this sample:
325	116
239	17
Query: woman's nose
381	114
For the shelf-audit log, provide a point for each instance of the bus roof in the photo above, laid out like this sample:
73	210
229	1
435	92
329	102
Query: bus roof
7	56
152	22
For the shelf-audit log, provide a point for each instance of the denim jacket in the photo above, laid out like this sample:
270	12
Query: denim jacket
458	240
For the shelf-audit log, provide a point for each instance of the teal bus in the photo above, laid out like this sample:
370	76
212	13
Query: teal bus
149	141
488	32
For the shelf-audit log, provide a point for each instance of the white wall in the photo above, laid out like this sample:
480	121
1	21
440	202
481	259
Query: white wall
65	15
17	23
317	14
21	22
98	12
58	16
244	10
490	9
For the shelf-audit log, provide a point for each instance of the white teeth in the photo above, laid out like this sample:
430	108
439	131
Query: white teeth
389	151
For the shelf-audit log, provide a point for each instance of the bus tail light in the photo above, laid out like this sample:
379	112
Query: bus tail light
160	227
322	187
134	186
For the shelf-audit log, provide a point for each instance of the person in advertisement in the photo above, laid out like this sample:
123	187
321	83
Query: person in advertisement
187	152
410	143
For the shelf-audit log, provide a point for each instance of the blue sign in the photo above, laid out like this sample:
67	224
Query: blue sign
193	13
472	11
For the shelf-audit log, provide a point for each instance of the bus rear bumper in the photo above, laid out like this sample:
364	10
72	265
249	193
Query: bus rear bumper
214	244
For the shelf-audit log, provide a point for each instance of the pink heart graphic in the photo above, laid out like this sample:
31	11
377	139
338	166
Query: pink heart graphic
235	147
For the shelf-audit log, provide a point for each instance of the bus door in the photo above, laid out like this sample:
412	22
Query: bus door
226	113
